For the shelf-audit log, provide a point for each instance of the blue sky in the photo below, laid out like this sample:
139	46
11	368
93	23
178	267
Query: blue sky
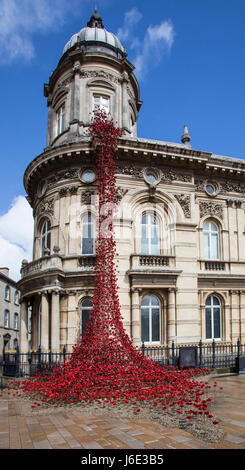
191	70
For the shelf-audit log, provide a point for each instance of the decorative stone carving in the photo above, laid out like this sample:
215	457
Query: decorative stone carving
185	202
86	196
45	207
71	189
129	170
64	175
170	174
211	208
234	202
120	193
99	74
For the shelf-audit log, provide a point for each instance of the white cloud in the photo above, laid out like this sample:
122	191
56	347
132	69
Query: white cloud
131	19
21	19
150	50
16	236
158	40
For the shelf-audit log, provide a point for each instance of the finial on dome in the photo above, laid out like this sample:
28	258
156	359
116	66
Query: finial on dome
95	20
186	138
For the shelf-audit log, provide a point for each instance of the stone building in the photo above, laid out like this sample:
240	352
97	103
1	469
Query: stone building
180	221
9	312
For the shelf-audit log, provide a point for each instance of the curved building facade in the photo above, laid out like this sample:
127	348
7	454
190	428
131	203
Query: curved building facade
179	226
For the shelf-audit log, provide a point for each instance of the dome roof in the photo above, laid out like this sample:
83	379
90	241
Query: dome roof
95	32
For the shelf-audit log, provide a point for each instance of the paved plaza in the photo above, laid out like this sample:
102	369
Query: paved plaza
74	429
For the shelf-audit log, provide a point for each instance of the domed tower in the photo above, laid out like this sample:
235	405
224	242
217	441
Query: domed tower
92	72
57	286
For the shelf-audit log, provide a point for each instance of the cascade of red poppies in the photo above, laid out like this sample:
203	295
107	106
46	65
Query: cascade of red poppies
105	366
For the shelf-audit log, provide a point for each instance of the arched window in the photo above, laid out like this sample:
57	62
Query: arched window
211	240
150	319
85	314
60	116
7	293
87	242
45	237
150	234
6	319
213	317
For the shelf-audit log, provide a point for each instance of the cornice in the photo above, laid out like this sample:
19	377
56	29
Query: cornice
142	151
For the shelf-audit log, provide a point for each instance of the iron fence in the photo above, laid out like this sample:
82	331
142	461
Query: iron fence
214	355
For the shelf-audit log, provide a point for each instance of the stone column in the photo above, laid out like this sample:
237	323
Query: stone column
125	107
55	321
136	317
227	320
50	123
171	314
242	316
44	322
75	101
24	326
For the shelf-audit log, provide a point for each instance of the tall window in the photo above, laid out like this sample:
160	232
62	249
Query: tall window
45	237
88	235
60	120
16	321
213	317
86	312
101	102
7	293
150	319
16	297
211	240
150	239
6	319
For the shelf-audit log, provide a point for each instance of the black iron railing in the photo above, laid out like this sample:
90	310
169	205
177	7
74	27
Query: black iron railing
214	355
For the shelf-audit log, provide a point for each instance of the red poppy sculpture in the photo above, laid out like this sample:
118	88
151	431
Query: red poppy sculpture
105	366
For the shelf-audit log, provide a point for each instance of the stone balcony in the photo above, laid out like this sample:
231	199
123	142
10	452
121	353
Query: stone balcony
214	265
84	263
152	261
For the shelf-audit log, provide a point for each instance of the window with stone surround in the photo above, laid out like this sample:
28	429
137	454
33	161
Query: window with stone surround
87	236
60	119
211	240
213	317
7	293
6	319
150	234
101	102
45	237
16	321
85	314
150	319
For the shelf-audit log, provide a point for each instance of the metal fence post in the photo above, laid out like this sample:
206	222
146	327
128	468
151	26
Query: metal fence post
200	353
238	347
143	348
64	353
213	347
173	355
17	362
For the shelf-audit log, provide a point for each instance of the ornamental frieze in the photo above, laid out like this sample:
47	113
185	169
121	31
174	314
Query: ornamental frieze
225	186
211	208
129	170
68	189
99	74
65	175
170	174
120	193
185	202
